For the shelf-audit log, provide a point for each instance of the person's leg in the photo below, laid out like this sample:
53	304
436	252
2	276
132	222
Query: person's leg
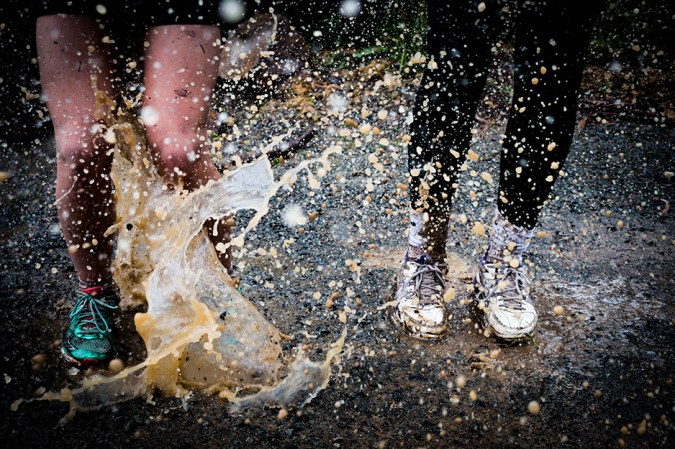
460	41
70	52
551	42
181	67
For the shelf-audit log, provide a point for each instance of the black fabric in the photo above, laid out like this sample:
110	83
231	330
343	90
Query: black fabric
127	21
552	35
150	12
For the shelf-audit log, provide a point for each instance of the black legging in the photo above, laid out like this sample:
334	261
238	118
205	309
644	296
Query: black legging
551	40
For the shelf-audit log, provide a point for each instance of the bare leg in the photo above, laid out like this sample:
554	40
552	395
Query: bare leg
180	74
70	52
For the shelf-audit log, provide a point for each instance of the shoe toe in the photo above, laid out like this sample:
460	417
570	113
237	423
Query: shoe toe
511	325
426	323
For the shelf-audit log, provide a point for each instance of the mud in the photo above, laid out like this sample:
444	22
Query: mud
601	372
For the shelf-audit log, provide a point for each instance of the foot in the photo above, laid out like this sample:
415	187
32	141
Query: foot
502	301
88	339
420	310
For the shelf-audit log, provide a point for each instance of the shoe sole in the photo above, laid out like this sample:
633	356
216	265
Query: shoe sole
517	338
85	363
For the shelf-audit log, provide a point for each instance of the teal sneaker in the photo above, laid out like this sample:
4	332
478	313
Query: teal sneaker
88	339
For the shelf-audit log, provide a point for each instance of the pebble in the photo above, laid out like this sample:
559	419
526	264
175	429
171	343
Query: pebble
460	381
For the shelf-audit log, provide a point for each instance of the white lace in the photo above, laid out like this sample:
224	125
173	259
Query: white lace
517	282
426	278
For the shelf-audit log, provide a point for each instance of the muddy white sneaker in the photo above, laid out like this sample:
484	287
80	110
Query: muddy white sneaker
501	299
420	310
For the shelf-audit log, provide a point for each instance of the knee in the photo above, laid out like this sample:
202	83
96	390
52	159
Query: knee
82	150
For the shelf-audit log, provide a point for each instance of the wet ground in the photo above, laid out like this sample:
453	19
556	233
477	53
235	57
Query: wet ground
601	372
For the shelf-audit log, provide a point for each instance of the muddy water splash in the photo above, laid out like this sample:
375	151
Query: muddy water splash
200	333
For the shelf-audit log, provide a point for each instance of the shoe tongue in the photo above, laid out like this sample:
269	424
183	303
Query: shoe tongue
94	291
424	259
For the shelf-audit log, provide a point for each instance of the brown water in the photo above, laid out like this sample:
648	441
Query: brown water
200	333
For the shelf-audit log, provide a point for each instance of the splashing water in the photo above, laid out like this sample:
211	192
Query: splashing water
200	333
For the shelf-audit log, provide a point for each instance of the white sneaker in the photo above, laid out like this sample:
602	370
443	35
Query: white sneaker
501	299
420	310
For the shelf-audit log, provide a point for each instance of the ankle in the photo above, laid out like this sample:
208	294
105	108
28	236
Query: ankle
507	240
415	252
427	235
106	284
99	289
